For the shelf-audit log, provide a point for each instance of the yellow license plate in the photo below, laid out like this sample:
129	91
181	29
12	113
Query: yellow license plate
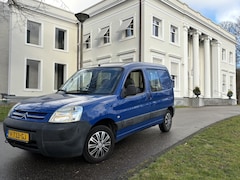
19	136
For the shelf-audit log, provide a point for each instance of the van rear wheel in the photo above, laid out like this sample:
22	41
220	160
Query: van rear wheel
167	122
99	144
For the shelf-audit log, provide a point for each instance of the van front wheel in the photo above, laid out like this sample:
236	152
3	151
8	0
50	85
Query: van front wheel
167	122
99	144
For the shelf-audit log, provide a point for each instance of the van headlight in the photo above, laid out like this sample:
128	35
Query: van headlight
67	114
12	109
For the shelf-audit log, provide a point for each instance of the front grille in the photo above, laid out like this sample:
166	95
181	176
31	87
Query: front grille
26	115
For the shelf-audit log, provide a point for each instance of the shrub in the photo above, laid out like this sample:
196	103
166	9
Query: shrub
197	91
229	94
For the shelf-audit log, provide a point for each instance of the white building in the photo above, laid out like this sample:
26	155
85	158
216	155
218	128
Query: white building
38	48
39	45
196	51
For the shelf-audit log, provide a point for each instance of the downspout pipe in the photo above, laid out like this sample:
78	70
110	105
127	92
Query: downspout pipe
140	30
78	49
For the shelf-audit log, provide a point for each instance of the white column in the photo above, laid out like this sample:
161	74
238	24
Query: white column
196	74
216	79
207	66
185	61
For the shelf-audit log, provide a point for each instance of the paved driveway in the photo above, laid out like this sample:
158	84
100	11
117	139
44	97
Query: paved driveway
16	164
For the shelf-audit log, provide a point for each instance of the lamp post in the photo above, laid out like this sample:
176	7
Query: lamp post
81	17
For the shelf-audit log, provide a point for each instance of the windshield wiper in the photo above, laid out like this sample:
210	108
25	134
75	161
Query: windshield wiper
84	92
62	90
75	91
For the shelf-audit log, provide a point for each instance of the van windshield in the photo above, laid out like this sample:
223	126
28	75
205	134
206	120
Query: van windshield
101	80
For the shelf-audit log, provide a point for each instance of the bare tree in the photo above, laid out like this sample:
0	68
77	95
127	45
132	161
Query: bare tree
234	28
24	9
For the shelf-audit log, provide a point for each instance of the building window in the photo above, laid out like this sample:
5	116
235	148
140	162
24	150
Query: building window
127	27
224	88
175	74
130	30
33	33
59	75
127	60
129	57
60	39
104	60
231	83
174	34
230	57
223	54
104	35
157	27
157	60
157	57
32	74
87	41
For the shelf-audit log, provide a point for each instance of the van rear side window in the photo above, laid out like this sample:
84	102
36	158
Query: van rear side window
159	79
165	79
154	80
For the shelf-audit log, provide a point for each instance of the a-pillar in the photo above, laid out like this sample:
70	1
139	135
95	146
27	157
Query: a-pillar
185	62
207	67
196	75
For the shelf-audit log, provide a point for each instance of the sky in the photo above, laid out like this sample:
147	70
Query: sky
216	10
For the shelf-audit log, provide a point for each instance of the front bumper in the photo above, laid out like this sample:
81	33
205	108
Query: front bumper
54	140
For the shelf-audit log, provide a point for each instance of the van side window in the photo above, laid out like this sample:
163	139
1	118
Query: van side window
165	79
154	80
136	81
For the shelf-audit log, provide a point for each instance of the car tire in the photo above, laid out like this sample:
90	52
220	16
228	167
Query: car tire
99	144
166	125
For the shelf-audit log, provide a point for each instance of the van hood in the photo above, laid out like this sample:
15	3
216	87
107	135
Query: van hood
50	103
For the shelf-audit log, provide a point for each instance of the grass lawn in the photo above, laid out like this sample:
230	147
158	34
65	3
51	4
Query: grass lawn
212	154
4	109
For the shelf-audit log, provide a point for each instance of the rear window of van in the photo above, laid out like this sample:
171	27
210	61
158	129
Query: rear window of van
159	79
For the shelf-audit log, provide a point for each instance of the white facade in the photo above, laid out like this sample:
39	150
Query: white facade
196	51
4	51
39	44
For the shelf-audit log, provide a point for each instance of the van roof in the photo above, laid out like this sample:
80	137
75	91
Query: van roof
130	65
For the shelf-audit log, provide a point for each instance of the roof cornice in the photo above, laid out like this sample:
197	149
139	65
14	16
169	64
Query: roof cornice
102	6
198	17
177	5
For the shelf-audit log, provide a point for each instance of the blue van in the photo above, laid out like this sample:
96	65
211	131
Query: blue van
95	108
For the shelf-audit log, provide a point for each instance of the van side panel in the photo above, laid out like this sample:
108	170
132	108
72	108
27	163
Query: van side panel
159	97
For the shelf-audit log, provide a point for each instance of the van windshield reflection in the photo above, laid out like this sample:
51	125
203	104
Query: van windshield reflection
93	81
